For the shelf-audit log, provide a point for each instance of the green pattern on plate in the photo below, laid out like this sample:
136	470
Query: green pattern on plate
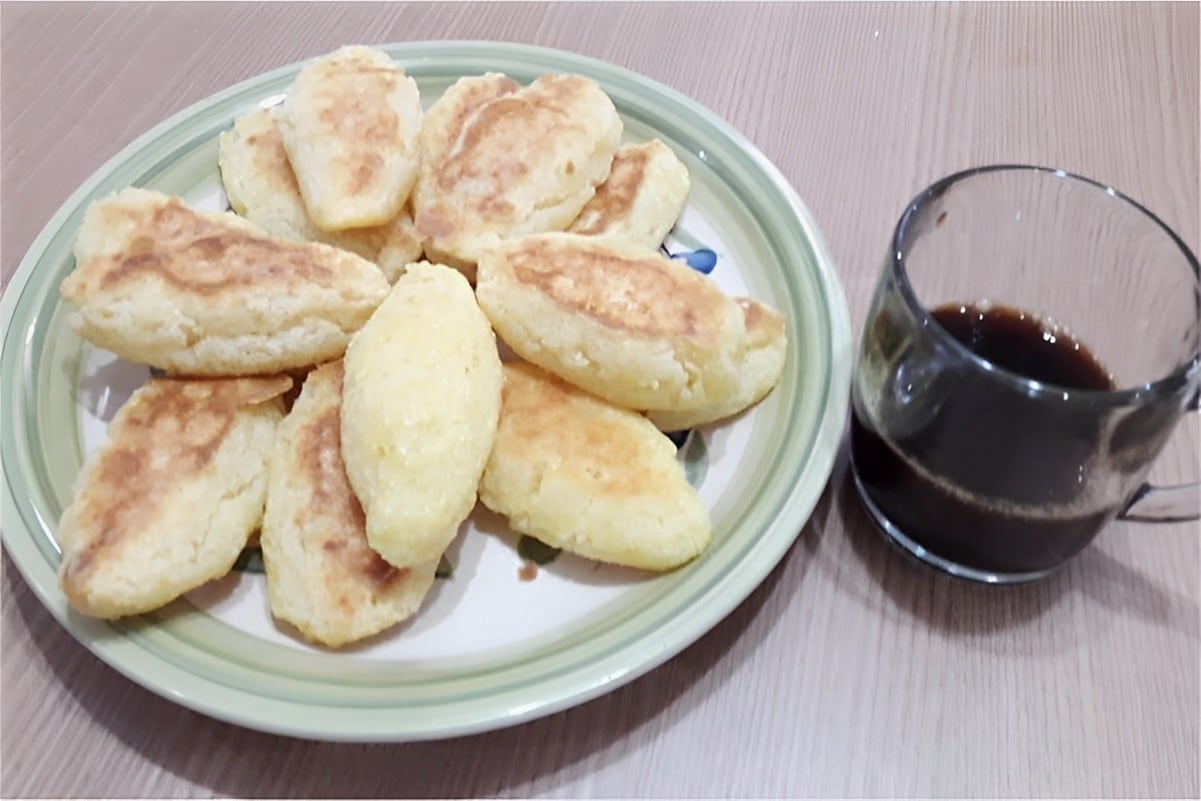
696	458
250	560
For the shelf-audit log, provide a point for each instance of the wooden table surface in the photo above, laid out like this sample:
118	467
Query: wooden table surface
851	671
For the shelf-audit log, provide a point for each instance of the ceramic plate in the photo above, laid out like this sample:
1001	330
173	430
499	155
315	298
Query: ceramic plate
498	642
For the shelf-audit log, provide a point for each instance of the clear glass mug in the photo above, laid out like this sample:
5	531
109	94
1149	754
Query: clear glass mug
1032	343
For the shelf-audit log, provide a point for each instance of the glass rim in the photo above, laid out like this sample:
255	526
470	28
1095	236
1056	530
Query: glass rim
1177	378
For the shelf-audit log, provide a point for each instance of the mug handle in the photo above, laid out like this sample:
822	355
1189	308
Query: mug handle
1174	504
1177	503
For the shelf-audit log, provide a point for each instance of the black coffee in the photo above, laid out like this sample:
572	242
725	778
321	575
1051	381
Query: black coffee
1020	343
1001	484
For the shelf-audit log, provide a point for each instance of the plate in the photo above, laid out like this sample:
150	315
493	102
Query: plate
491	648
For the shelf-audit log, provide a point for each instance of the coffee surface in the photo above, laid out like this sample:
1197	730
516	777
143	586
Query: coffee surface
1025	345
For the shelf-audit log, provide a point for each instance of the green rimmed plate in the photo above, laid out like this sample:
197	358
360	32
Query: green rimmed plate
573	632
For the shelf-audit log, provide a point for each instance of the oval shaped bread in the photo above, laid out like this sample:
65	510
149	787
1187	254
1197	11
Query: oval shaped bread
629	325
350	124
640	200
583	475
261	186
513	162
170	500
322	576
198	293
420	401
762	366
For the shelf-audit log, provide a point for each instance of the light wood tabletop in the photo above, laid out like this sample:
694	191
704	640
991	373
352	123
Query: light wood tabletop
852	670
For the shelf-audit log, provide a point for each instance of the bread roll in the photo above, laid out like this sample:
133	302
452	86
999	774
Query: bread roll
632	326
350	124
170	500
420	401
500	162
205	294
583	475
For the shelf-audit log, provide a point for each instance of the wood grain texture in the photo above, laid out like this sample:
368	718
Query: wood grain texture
851	671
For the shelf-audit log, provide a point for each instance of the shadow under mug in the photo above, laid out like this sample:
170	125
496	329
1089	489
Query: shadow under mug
1032	342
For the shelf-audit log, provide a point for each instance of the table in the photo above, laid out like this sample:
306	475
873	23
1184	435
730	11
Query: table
851	671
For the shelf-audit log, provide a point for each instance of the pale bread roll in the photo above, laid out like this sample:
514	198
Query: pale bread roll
762	366
199	293
510	162
627	324
350	124
583	475
261	187
420	401
170	500
322	576
640	200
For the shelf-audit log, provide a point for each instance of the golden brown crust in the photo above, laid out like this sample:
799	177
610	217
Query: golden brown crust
319	461
641	199
166	435
201	293
542	415
322	576
510	161
443	125
192	253
350	124
267	146
615	197
645	295
619	320
195	253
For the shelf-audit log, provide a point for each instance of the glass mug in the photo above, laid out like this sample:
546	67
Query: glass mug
1032	342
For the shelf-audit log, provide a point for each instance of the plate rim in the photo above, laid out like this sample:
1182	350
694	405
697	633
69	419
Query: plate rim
121	655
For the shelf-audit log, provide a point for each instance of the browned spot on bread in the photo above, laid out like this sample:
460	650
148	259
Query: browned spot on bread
469	99
763	323
141	245
496	132
615	197
473	98
474	145
195	253
362	114
209	247
499	160
170	430
351	94
433	222
646	295
319	447
271	155
365	173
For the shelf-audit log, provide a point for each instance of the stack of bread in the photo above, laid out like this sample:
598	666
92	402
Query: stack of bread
374	254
